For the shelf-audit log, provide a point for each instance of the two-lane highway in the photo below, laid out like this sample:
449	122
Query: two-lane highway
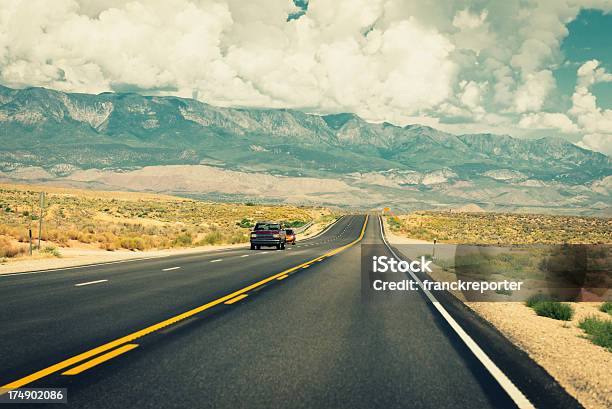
240	328
52	316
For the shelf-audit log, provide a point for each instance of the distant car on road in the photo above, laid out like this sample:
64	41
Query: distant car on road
290	236
269	234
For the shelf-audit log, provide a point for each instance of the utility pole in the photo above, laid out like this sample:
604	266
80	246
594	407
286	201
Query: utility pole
40	221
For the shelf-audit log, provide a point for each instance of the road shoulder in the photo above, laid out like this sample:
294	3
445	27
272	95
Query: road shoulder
80	257
74	257
533	360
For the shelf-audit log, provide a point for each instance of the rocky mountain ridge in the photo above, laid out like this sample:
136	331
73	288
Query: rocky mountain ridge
63	133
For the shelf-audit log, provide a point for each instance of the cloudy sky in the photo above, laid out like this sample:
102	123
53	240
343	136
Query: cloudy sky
526	68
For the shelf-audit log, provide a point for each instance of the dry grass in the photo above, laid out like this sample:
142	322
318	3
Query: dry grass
503	228
558	346
134	221
8	249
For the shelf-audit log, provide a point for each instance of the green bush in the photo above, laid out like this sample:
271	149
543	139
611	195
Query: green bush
554	310
294	223
606	307
237	237
211	238
537	298
599	331
52	250
504	292
183	239
131	243
545	306
394	223
244	223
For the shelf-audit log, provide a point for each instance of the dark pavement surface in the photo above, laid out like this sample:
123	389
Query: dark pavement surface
310	340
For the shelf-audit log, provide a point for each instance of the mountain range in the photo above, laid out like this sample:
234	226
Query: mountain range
184	146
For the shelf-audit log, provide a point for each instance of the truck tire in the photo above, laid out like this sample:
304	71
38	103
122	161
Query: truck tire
252	246
282	246
278	246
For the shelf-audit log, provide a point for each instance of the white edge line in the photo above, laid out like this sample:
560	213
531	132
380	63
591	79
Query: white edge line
90	282
324	230
170	268
106	263
81	266
216	260
515	394
244	255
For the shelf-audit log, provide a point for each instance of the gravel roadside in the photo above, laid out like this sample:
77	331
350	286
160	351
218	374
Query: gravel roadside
72	257
581	367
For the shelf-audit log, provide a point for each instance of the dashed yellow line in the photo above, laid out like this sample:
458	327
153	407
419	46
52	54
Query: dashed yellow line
98	360
156	327
236	299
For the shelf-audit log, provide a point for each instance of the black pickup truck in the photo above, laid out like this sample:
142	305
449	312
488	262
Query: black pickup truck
268	234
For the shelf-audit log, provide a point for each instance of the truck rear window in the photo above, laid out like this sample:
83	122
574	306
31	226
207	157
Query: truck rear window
265	226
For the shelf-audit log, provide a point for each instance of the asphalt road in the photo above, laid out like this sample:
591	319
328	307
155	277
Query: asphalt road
241	328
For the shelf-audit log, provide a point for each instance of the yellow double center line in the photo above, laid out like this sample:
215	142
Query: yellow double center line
156	327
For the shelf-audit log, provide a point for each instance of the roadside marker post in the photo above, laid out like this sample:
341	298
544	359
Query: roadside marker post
40	222
433	252
30	225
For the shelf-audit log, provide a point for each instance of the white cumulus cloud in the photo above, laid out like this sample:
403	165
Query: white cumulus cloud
594	121
231	53
597	142
489	63
531	94
546	120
